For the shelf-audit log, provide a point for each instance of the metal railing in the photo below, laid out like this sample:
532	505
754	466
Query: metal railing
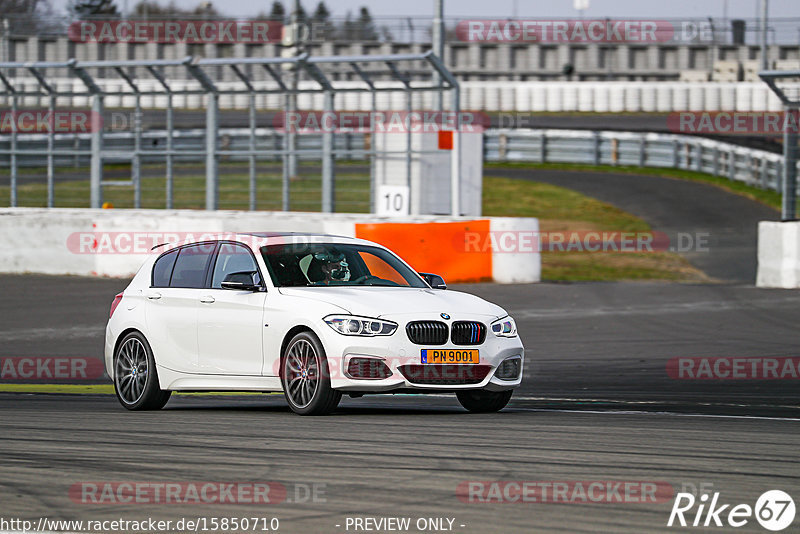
281	70
756	168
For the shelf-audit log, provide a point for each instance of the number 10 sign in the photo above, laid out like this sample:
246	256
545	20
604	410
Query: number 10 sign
392	200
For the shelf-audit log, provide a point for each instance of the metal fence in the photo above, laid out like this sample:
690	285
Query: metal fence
757	168
285	73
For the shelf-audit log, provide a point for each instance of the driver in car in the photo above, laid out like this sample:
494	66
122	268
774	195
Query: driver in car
327	267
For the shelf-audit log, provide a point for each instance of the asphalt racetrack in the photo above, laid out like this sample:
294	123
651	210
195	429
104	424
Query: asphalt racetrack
597	404
686	211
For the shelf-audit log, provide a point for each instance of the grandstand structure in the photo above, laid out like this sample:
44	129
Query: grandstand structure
722	54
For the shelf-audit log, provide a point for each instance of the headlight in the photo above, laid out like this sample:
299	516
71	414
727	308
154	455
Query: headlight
350	325
505	327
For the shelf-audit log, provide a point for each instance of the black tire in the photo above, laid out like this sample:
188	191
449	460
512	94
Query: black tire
305	377
482	401
133	360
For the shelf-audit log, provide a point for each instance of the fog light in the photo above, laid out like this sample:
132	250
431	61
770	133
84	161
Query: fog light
509	369
368	369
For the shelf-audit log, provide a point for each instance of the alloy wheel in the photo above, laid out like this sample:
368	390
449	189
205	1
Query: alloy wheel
131	371
302	373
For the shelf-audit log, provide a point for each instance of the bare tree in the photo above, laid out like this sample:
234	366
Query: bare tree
366	26
323	29
151	8
30	17
93	8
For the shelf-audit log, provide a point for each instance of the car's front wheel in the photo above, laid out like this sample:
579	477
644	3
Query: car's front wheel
482	401
305	377
135	376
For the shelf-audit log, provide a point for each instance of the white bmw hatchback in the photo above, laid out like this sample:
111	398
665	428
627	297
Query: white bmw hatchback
311	316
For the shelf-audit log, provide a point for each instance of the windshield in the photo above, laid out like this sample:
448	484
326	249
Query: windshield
333	264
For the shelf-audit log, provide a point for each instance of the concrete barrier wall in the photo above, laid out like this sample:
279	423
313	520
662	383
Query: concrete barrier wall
115	242
778	254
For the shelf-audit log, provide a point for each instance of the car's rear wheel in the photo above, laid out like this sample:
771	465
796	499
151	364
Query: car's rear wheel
135	376
482	401
305	377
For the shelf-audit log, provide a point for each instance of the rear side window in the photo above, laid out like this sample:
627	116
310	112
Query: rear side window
162	270
190	267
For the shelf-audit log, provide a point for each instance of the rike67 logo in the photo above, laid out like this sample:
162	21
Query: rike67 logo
774	510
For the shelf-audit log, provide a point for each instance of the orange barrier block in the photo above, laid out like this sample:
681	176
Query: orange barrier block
436	247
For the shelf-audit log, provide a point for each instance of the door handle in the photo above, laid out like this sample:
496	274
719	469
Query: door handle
154	296
208	299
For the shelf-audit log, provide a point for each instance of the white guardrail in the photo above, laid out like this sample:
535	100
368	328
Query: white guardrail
757	168
491	96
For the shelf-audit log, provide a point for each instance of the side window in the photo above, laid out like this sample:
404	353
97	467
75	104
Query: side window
162	270
190	267
232	258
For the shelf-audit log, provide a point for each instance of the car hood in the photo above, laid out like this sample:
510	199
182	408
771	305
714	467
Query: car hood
390	301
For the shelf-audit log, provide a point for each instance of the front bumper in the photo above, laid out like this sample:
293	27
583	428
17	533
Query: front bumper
397	351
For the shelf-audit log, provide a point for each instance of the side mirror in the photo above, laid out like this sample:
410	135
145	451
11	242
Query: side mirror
244	281
434	280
